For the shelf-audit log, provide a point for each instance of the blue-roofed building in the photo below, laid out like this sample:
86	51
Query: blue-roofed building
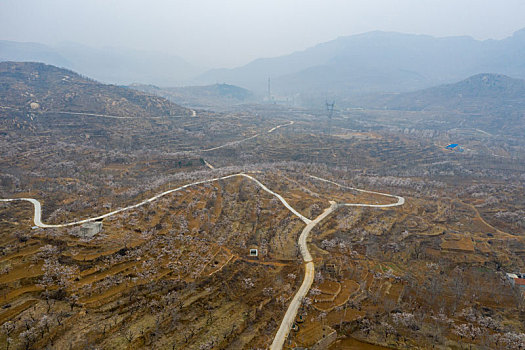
452	146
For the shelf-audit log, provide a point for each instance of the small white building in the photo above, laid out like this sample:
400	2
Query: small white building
516	279
511	277
90	229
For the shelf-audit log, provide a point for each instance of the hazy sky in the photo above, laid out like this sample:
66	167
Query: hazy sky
233	32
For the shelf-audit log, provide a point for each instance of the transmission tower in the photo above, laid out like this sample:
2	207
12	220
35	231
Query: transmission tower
269	91
330	112
330	109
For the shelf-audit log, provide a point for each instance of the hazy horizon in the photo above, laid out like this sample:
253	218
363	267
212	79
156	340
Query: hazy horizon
215	34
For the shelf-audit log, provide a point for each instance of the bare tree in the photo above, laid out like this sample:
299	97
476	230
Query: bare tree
128	335
8	328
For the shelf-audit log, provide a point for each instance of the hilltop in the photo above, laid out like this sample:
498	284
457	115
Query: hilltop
478	93
45	88
200	96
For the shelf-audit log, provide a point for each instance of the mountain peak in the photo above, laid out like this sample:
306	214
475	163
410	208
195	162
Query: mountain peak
489	83
519	34
489	78
486	91
377	61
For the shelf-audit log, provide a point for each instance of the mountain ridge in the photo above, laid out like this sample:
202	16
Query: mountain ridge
46	88
114	65
378	61
481	92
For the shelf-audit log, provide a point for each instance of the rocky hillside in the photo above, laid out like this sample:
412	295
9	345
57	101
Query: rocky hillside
46	88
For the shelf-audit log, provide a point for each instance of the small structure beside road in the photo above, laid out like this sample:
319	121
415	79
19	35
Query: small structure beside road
517	280
90	229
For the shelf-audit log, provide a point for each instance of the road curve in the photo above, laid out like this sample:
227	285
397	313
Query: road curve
38	208
400	200
229	144
291	313
305	219
280	126
245	139
293	308
309	273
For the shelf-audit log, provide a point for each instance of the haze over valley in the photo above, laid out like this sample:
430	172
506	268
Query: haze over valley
262	175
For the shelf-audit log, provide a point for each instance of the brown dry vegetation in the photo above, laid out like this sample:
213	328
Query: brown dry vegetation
176	273
417	273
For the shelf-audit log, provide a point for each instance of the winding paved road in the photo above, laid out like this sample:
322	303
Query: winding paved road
229	144
246	139
291	312
38	208
309	273
280	126
194	114
400	200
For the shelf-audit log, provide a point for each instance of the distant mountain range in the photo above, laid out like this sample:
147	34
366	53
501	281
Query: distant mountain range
208	96
480	93
377	62
348	66
109	65
38	87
